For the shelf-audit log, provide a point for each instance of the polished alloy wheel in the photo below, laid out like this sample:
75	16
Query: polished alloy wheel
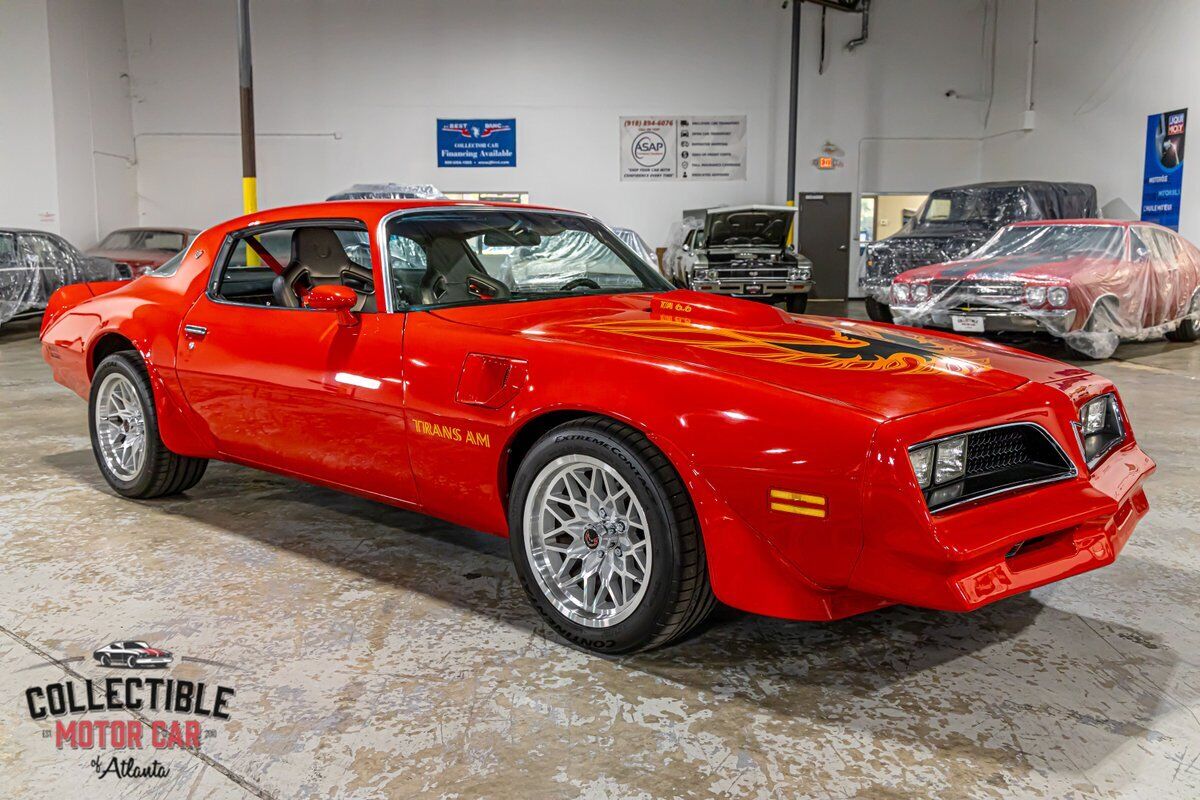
587	540
121	426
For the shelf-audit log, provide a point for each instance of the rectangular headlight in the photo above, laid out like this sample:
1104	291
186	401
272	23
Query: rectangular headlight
951	461
1100	428
922	464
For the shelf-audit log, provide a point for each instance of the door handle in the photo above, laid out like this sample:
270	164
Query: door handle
195	331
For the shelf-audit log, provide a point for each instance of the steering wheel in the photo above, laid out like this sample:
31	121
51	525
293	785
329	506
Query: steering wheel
580	283
437	288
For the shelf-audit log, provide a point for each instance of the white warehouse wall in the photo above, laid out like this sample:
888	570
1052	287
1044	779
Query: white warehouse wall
28	176
1102	67
349	92
96	177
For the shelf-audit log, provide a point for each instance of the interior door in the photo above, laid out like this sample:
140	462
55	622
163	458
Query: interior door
295	391
824	237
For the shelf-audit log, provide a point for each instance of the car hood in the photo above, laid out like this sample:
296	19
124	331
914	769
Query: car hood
748	226
884	370
155	257
1025	268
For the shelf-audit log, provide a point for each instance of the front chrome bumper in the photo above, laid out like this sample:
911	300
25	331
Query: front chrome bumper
751	287
880	289
1056	321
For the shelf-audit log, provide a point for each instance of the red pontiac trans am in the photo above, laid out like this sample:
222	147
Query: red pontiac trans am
1090	282
647	450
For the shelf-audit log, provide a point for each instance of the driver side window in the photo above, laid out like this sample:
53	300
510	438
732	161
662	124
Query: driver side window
277	267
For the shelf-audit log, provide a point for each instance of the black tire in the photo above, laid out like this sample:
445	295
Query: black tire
1102	322
105	661
797	303
877	311
1189	328
678	594
1188	331
163	472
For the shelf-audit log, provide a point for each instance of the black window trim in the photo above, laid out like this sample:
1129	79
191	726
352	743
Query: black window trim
394	305
220	263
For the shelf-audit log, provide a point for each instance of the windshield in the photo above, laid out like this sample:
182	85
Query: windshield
974	206
458	255
1055	242
171	241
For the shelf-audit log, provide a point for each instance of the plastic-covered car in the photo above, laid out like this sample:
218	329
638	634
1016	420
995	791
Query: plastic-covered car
953	222
637	244
33	264
389	191
647	450
741	251
1091	283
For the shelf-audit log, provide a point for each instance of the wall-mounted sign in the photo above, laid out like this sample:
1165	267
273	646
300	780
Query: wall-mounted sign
683	148
830	157
477	142
1162	188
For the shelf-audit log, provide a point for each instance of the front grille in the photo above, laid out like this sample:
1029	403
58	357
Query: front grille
1001	459
996	449
752	270
968	295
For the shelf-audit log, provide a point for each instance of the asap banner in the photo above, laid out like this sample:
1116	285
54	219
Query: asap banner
477	142
683	148
1163	186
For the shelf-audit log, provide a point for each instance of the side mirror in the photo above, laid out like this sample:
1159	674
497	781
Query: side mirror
333	297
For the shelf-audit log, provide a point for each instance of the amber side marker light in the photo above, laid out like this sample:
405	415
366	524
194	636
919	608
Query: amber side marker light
813	505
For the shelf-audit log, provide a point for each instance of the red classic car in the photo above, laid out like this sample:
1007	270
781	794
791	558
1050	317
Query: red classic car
1090	282
136	250
647	450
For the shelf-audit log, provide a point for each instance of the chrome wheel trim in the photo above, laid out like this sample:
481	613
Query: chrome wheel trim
587	540
120	426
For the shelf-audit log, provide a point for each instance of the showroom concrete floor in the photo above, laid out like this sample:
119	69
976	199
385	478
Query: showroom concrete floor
381	653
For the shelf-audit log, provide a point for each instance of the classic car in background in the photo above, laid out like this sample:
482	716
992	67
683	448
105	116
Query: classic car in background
389	191
955	221
33	264
136	251
1089	282
741	251
800	467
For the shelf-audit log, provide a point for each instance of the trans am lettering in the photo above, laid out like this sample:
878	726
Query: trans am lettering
452	434
892	351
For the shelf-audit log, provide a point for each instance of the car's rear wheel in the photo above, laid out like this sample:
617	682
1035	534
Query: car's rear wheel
1189	328
124	429
605	539
797	303
879	312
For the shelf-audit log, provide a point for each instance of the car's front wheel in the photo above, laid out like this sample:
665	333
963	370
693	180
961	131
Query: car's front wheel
105	661
123	424
877	311
605	539
797	303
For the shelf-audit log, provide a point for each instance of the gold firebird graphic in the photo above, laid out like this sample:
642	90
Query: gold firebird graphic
865	349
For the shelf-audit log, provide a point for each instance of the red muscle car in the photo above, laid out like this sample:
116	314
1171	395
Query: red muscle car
647	450
1089	282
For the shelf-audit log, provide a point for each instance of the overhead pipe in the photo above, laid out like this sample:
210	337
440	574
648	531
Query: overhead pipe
853	44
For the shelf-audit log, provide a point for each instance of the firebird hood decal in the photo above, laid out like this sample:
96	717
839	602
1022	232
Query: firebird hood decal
860	349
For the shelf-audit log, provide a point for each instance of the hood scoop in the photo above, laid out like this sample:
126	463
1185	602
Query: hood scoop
698	308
